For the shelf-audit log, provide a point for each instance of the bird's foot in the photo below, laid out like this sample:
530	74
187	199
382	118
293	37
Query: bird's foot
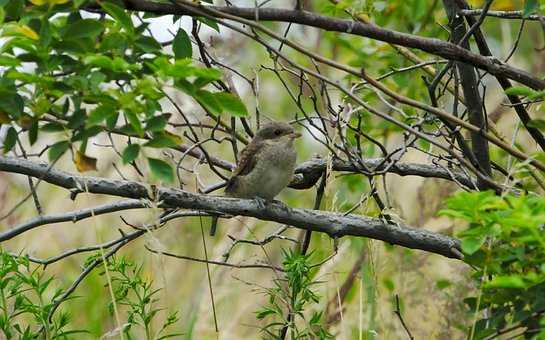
261	202
281	204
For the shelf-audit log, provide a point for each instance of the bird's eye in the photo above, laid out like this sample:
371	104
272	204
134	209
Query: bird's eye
277	132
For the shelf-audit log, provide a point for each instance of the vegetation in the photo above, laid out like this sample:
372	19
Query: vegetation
417	209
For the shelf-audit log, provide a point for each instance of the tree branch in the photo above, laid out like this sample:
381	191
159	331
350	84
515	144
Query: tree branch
309	172
333	224
73	216
517	15
431	45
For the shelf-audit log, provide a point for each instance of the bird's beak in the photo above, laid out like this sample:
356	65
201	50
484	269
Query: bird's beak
295	135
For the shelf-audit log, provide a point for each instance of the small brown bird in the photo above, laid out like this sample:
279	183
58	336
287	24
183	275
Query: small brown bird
265	166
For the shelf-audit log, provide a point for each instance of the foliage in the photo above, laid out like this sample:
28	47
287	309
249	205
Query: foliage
79	77
294	293
505	244
138	295
26	297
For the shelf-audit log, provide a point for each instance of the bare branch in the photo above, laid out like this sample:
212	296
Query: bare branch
73	216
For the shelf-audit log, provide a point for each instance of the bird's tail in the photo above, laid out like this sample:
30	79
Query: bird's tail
213	225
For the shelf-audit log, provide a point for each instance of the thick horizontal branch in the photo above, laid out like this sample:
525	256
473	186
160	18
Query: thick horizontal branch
334	224
431	45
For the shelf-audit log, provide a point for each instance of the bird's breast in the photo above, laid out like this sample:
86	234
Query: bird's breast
272	172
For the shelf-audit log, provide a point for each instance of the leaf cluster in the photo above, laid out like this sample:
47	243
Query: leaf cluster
26	297
82	76
505	244
138	296
293	293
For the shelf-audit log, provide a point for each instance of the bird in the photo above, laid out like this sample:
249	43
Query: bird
265	167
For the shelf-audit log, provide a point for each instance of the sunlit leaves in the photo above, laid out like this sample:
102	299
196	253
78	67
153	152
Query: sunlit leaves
91	75
9	61
513	281
471	244
526	92
48	2
505	245
161	170
519	91
181	46
27	32
115	64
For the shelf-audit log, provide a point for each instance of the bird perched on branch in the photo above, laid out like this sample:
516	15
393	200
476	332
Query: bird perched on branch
265	166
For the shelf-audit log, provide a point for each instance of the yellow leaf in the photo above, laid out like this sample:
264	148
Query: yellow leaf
25	122
49	2
498	5
4	118
177	139
27	32
85	163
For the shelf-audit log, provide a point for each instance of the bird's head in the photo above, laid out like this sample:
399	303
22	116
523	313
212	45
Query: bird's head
276	131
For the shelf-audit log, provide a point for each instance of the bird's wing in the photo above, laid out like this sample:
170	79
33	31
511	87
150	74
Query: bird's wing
248	158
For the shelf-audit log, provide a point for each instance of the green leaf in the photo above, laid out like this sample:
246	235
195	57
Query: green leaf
210	23
33	133
537	123
84	28
52	127
10	140
530	6
537	95
231	104
9	61
12	104
208	100
101	61
471	244
519	91
135	122
147	44
164	140
99	114
442	284
56	150
161	170
181	46
130	153
513	281
87	133
119	15
156	124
